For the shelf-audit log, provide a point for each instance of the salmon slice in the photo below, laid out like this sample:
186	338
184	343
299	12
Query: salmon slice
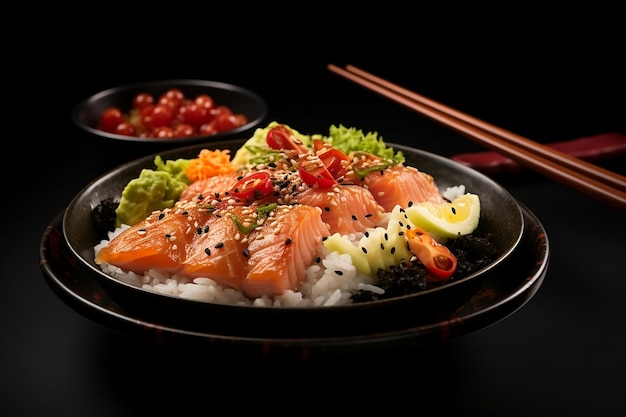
217	249
402	185
282	250
211	186
345	208
159	241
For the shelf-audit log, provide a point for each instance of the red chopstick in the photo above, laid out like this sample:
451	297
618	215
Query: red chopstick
592	180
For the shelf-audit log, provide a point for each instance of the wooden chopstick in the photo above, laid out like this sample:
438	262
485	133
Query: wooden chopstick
592	180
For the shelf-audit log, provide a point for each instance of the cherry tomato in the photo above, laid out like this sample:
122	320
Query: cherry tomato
162	132
208	129
204	100
281	137
313	172
110	119
435	256
157	116
253	186
195	114
222	118
142	99
126	129
172	97
239	119
184	131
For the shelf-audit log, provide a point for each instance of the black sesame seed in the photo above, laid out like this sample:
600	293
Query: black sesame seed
453	210
339	272
288	241
326	208
364	249
199	230
200	197
354	217
207	251
410	204
386	236
368	215
161	216
167	235
318	260
393	250
219	245
382	247
246	253
206	229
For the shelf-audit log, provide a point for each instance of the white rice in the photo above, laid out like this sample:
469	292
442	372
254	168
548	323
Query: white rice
330	282
453	192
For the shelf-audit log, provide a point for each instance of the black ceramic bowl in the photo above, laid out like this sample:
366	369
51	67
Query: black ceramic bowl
500	215
86	114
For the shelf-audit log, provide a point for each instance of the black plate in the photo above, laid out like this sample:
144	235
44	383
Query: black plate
499	294
500	215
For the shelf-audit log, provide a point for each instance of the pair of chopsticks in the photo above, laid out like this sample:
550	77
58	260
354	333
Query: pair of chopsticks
592	180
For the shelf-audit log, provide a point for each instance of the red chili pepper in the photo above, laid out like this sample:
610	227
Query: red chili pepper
281	137
253	186
313	171
335	161
435	256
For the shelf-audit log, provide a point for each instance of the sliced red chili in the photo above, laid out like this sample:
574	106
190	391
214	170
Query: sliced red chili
435	256
253	186
281	137
313	172
335	161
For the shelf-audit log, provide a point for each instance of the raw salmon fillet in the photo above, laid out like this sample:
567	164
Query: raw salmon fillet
282	251
209	187
160	241
402	185
217	249
195	241
345	208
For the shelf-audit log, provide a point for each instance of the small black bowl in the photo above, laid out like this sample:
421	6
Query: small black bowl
86	114
501	216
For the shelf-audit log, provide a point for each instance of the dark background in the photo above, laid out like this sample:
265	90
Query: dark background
547	75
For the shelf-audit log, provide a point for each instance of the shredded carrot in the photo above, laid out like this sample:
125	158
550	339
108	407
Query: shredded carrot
208	164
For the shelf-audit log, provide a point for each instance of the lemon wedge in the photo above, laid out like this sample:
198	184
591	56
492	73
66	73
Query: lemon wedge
447	220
